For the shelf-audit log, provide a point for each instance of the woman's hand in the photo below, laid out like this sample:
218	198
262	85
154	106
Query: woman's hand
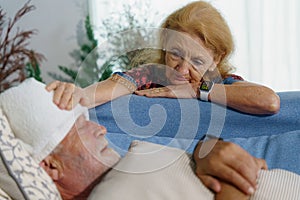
189	90
67	95
228	162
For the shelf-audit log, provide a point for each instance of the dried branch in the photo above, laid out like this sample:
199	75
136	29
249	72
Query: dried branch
14	52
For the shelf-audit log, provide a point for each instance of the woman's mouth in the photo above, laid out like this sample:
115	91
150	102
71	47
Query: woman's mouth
178	77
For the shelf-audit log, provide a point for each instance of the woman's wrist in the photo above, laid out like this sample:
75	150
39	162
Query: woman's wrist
124	80
196	87
205	89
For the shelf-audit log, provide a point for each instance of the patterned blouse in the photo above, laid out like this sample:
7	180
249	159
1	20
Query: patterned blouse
152	76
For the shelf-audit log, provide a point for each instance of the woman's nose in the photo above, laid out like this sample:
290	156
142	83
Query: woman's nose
183	66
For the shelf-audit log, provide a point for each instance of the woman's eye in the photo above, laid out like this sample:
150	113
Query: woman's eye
176	53
198	62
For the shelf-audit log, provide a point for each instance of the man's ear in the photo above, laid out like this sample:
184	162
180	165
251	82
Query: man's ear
52	167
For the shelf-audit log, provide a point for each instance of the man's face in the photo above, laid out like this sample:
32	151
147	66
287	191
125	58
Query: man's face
85	154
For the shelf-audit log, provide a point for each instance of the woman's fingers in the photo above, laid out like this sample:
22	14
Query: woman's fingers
51	86
154	92
171	91
63	95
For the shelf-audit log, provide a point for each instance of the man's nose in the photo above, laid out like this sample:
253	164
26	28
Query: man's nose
99	130
102	129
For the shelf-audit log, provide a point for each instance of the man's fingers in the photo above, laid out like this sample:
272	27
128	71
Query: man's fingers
247	169
262	164
210	182
234	177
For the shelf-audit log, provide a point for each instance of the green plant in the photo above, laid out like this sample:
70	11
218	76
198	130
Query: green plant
84	54
91	64
17	61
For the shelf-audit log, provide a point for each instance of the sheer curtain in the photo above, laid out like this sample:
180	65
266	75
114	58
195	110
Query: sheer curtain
274	43
267	40
266	33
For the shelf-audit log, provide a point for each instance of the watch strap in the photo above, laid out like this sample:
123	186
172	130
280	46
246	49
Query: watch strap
205	89
204	95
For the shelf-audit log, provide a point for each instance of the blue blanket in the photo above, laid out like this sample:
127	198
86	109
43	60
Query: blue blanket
182	122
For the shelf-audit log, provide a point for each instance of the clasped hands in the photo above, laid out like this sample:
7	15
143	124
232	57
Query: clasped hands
228	163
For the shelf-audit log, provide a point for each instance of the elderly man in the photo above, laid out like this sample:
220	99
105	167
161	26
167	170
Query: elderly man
75	154
65	143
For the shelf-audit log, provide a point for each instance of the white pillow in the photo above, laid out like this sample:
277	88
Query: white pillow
20	176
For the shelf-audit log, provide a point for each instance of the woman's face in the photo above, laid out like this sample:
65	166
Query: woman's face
187	58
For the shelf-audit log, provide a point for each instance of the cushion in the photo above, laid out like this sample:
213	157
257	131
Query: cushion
166	120
20	176
182	122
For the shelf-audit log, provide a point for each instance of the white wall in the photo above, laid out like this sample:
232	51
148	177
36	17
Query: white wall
56	22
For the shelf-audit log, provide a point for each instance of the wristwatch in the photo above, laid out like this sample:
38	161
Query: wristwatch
205	88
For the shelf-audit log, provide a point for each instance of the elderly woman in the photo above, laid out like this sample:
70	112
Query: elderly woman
196	44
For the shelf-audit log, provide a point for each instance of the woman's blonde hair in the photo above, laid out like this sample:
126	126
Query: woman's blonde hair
202	19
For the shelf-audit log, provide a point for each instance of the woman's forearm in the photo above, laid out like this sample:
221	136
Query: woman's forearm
104	91
246	97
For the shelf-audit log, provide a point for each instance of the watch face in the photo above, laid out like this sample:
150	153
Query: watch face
206	85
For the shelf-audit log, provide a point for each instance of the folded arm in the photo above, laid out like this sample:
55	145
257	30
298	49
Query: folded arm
246	97
243	96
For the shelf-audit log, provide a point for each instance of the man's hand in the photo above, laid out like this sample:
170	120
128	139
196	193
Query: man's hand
228	162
